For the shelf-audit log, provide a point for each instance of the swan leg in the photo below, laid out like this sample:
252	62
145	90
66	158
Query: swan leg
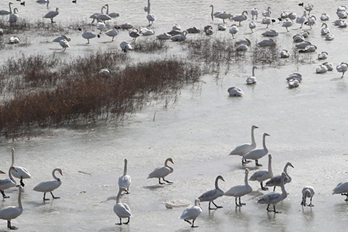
10	226
274	210
44	197
303	201
159	181
240	202
120	222
127	221
268	210
235	201
263	188
310	204
274	188
257	163
21	182
169	182
187	221
218	207
3	194
54	196
193	224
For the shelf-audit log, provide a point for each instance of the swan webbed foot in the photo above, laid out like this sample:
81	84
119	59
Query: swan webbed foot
264	188
169	182
127	221
311	205
10	226
3	194
54	196
217	207
21	182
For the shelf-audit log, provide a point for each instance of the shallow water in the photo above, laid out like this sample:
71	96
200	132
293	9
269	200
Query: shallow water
307	127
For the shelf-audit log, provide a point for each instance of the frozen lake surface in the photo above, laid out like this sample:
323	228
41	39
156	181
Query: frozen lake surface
307	127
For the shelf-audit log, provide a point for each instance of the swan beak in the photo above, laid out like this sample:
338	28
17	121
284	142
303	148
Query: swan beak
61	173
2	172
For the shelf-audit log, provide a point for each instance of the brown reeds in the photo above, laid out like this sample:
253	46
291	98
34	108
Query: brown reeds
59	93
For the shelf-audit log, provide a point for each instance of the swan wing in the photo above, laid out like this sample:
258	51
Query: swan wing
47	186
10	212
124	181
159	172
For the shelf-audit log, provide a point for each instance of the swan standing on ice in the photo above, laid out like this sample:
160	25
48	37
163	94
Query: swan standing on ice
267	12
263	175
211	195
257	154
87	34
301	20
162	172
19	172
64	44
307	192
245	148
254	13
342	67
112	33
233	30
252	79
276	180
273	198
125	180
240	190
13	17
191	213
5	12
7	182
111	14
252	26
51	14
12	212
50	185
150	17
341	188
240	18
122	210
59	38
214	14
287	23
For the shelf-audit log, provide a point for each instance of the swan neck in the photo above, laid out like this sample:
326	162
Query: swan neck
246	178
19	198
125	168
282	186
10	175
264	142
270	165
12	158
217	183
118	196
252	131
9	5
54	173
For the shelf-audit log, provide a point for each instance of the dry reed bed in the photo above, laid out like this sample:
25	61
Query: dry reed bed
62	93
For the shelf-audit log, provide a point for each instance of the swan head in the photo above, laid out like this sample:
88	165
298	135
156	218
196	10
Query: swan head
60	171
2	172
254	127
220	178
247	171
269	156
266	134
289	164
170	160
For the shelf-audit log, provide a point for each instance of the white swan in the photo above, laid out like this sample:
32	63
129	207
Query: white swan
309	48
151	18
292	16
324	17
323	55
267	21
164	36
111	14
122	210
342	67
19	172
297	38
64	44
51	14
254	13
267	12
12	212
321	69
307	192
270	33
274	197
112	33
287	23
252	79
233	30
240	18
193	30
95	15
301	20
276	180
311	21
329	37
257	154
7	183
245	148
5	12
14	39
341	188
213	194
328	65
191	213
162	172
263	175
214	13
146	31
13	17
223	16
50	185
125	46
208	30
125	180
252	26
324	30
303	44
240	190
87	34
267	42
242	47
284	53
235	92
134	33
222	27
308	7
179	37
